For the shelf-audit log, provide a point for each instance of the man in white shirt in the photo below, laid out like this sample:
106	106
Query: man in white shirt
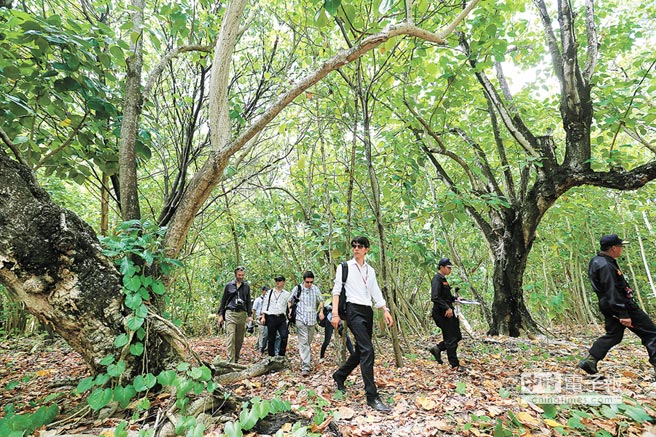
361	288
274	316
309	303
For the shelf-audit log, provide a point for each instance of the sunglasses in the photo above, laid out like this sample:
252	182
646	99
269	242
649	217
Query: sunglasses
309	282
358	246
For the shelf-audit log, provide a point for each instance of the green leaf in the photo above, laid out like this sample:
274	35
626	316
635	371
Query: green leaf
158	288
66	84
101	379
635	412
137	349
144	404
134	323
461	387
232	429
45	415
132	283
85	384
11	72
331	6
144	382
100	398
123	395
141	311
248	418
107	360
133	300
166	377
121	340
117	55
116	370
195	373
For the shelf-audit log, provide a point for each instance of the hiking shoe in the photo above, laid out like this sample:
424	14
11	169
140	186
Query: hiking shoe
589	365
437	354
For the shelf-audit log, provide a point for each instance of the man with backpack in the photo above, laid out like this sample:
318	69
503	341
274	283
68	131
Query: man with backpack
274	316
361	287
305	303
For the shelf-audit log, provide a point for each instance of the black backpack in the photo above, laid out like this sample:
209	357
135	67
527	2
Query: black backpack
296	296
341	308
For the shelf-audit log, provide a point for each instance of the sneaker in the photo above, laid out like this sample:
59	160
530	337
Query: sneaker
378	405
340	384
589	365
437	354
305	373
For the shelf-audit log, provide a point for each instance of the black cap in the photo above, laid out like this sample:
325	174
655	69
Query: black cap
611	240
446	262
279	278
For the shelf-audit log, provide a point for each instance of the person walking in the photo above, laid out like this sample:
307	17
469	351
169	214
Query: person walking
361	287
445	317
235	309
274	316
261	329
617	305
328	333
307	298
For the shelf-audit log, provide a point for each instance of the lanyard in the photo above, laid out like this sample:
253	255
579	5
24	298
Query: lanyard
366	277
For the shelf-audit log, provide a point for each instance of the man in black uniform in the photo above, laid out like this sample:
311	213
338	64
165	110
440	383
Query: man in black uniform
445	317
616	304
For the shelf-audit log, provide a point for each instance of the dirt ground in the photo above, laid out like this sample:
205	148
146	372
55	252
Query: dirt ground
498	395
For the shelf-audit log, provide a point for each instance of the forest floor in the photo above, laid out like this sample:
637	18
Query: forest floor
512	387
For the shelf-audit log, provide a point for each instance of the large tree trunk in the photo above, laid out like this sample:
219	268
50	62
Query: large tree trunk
51	261
509	313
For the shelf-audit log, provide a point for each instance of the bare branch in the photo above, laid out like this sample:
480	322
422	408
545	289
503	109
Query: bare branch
593	41
63	145
13	147
165	60
551	38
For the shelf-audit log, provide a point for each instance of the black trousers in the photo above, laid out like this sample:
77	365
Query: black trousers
451	335
360	320
276	324
643	327
328	335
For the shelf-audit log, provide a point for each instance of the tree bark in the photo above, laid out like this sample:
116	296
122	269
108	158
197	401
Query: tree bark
51	261
132	101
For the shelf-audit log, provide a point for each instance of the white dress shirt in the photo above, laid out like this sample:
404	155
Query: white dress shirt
361	284
275	302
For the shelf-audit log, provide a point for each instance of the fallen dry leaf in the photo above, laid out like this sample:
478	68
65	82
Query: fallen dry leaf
527	419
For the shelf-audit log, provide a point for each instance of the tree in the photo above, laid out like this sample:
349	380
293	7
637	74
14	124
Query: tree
516	165
51	260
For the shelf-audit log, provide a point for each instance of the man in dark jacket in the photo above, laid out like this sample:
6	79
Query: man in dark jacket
445	316
235	309
616	304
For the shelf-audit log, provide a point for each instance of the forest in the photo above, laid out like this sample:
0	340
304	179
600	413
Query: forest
148	147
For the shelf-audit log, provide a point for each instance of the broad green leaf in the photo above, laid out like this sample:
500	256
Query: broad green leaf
123	395
166	377
85	384
121	340
100	398
137	349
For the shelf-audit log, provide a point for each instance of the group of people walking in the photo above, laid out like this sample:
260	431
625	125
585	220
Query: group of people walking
363	295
